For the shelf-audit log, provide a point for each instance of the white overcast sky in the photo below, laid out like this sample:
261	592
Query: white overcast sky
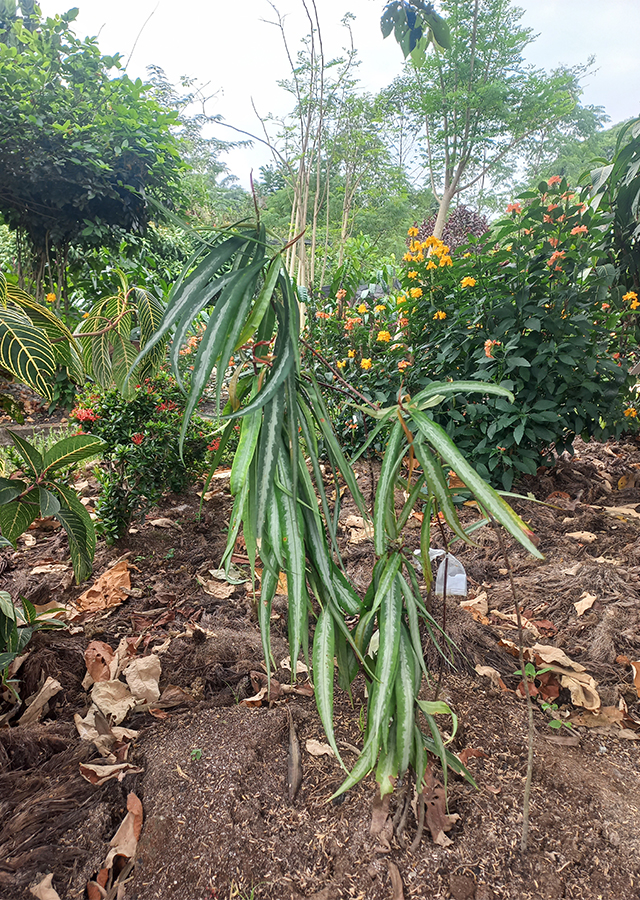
231	47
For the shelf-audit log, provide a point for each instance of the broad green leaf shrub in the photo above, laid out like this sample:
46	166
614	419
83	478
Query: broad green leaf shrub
39	489
289	519
141	460
17	627
35	344
535	312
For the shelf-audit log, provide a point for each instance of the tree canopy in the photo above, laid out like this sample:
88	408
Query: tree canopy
477	103
80	150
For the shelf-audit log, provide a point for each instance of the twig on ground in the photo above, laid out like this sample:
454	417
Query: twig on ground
531	733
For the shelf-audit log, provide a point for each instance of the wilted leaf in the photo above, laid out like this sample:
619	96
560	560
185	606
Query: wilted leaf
585	602
163	522
478	604
469	753
221	590
572	570
379	813
436	815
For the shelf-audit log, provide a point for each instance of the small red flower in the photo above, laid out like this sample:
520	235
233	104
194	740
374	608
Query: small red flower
137	438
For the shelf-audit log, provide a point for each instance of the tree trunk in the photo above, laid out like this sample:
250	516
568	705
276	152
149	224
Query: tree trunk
443	211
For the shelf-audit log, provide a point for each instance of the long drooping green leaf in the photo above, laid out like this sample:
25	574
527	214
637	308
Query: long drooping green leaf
243	457
291	524
323	654
405	696
447	388
384	501
236	294
262	302
387	769
438	486
268	451
308	432
268	586
389	624
285	354
331	442
490	499
188	293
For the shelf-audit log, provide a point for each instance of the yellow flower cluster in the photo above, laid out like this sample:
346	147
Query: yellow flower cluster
440	315
365	363
51	298
633	297
434	247
384	336
468	282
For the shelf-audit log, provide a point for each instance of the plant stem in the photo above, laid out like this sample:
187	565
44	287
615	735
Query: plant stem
338	375
525	681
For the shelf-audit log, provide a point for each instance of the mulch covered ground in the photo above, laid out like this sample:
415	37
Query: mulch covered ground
212	772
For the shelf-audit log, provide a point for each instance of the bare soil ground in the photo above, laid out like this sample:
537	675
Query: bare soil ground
213	779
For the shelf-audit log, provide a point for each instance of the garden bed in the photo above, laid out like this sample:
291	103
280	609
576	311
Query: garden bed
213	779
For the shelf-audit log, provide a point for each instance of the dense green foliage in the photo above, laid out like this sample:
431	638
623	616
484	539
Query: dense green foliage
288	520
80	150
40	490
142	459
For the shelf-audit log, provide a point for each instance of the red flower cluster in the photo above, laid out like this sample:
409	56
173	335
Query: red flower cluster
84	415
137	438
213	445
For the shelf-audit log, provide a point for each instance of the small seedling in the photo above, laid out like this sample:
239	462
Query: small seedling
170	553
196	755
554	723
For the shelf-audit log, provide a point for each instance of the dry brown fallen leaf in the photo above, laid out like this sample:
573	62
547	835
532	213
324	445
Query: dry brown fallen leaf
584	537
221	590
125	840
281	588
98	775
572	570
397	888
108	590
36	705
142	675
494	675
44	890
50	569
570	674
163	522
585	602
478	604
636	676
113	699
101	661
315	748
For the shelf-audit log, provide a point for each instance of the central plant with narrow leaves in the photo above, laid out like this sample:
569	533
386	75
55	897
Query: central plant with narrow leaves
252	338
